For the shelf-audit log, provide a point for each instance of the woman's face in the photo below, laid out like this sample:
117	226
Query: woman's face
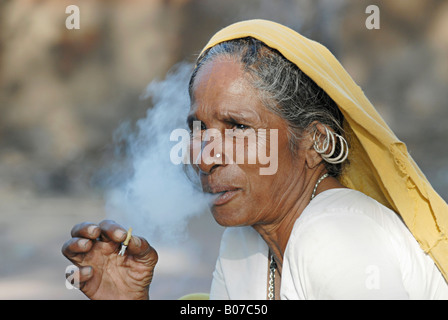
224	102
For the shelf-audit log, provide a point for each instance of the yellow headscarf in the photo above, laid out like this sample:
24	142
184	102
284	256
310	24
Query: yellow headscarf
380	165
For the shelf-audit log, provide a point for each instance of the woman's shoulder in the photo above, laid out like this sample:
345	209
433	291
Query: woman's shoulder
344	214
340	226
336	204
342	199
334	244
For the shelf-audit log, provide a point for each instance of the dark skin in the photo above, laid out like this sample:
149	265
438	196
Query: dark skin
103	274
223	98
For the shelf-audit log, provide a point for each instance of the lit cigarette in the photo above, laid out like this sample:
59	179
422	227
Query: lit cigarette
125	244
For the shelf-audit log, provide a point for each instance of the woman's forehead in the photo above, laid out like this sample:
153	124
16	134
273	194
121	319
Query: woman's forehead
221	73
221	82
223	92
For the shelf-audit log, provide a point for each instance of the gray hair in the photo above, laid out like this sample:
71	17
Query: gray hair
284	89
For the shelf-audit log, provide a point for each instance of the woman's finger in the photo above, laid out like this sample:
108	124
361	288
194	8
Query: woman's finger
112	231
87	230
75	246
142	250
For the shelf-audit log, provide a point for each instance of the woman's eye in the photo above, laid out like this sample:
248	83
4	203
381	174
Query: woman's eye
197	127
240	127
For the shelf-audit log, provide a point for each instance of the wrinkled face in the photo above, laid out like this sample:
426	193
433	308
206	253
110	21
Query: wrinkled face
225	103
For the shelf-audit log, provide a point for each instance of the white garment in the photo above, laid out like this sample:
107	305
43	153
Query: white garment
344	245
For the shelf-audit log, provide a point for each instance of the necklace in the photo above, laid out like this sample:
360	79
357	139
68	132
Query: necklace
273	264
317	184
272	268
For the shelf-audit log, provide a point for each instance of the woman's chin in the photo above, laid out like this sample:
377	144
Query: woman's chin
228	216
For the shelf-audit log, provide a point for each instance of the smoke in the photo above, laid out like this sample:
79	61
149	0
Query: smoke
156	197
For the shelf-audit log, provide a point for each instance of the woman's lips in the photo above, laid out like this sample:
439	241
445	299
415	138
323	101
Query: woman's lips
224	196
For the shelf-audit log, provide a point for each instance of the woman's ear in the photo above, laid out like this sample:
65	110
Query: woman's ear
312	157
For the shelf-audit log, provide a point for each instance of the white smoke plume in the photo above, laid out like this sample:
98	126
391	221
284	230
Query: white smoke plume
157	199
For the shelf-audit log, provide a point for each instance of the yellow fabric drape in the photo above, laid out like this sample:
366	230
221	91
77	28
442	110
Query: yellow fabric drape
380	165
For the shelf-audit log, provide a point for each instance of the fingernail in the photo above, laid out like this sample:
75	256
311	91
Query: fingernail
85	271
137	241
119	234
91	230
83	242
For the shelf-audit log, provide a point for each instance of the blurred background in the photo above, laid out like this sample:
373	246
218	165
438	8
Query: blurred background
64	92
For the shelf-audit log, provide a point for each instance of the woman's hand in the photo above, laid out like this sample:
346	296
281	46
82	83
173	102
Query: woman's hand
102	273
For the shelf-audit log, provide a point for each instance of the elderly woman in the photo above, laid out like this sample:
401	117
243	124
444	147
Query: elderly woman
331	222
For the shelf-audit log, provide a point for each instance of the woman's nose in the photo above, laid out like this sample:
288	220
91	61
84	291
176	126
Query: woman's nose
211	153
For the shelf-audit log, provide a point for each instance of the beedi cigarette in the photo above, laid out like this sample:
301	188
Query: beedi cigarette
126	242
128	237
